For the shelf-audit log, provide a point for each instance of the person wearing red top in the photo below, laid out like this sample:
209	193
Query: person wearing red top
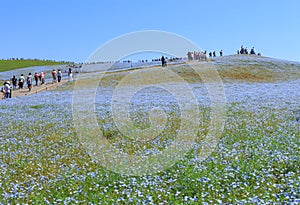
36	78
54	76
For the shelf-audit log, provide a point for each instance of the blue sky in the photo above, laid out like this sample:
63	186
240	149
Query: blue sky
72	30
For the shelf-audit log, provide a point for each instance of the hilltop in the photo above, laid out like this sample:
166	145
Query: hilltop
256	68
232	68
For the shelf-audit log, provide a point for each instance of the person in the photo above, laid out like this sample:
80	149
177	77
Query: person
221	52
7	89
252	52
242	50
2	92
214	53
59	75
36	78
70	75
21	81
42	78
210	54
14	81
189	54
203	56
29	81
54	76
163	61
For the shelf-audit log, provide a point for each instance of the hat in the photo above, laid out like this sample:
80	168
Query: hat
7	82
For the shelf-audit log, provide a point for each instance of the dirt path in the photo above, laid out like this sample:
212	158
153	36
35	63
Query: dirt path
37	89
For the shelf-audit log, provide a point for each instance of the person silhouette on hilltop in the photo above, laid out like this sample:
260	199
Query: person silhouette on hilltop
163	61
242	50
252	52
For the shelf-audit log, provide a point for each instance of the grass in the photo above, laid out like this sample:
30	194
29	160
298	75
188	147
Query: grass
6	65
37	106
244	72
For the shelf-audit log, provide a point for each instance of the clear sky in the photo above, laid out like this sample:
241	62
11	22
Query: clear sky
71	30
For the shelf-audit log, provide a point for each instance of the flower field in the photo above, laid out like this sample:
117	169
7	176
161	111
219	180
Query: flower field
257	160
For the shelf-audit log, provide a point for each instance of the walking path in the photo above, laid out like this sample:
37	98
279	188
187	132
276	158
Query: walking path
36	89
89	68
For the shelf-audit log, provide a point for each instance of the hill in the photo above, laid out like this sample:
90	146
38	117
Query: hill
6	65
50	156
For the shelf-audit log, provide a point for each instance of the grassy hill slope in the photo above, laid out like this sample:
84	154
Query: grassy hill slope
6	65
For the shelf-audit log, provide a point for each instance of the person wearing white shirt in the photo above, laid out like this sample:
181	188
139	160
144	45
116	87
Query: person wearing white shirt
7	89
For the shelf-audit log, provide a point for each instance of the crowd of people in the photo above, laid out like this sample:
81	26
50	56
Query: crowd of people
245	51
202	56
37	78
163	60
196	55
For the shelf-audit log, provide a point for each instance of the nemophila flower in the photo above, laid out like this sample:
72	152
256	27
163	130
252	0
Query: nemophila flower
256	157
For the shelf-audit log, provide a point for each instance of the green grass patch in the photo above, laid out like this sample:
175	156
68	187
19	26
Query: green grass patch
6	65
37	106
